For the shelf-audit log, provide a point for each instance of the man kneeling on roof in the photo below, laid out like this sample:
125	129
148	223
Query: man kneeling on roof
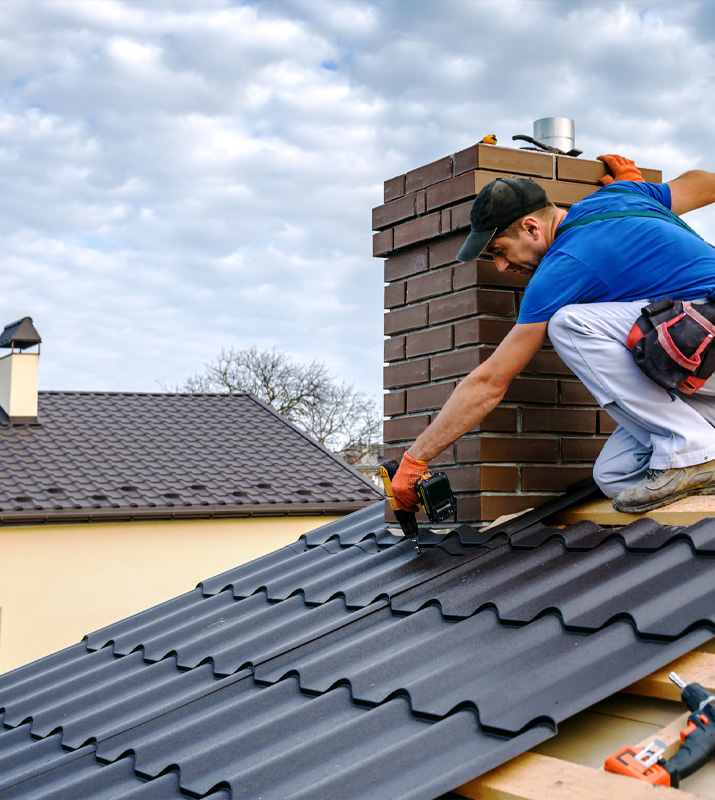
588	284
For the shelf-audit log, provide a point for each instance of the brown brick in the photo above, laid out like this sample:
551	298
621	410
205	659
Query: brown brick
577	449
445	251
481	331
575	169
494	301
454	365
430	284
547	362
484	478
395	295
465	479
417	230
406	264
651	175
434	340
501	420
504	159
565	193
469	509
394	348
404	429
498	478
450	192
506	449
558	420
461	304
551	478
446	221
489	275
383	242
494	506
461	219
394	188
443	459
574	393
396	453
532	390
395	403
407	374
397	211
606	423
422	177
406	319
428	398
464	275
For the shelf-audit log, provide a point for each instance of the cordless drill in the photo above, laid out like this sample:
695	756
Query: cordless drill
435	495
697	748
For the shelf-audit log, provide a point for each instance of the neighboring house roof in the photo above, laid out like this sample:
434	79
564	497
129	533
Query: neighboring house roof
347	665
104	455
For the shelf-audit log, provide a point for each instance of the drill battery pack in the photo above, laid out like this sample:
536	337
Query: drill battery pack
436	496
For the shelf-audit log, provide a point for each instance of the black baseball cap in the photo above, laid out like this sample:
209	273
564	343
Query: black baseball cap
500	203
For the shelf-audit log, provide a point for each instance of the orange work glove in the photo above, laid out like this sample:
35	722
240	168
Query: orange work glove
403	484
622	169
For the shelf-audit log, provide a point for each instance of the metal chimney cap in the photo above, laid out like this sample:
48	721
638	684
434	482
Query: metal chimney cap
21	334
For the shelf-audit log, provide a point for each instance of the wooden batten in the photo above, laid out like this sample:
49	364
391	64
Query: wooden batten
533	776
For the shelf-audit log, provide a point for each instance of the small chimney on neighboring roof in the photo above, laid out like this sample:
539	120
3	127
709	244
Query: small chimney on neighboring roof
19	370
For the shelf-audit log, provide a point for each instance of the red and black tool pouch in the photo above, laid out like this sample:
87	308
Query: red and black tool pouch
672	342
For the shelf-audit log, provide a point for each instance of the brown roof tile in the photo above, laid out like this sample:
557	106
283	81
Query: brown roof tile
105	455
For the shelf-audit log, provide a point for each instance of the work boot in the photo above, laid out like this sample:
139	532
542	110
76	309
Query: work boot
663	486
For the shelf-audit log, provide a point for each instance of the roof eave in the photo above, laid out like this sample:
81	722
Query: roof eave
245	510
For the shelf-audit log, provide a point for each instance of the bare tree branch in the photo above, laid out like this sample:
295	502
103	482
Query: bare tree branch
344	420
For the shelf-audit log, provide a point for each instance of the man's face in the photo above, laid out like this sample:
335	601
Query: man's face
521	254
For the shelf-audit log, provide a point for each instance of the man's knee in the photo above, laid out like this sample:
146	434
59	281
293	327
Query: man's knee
622	463
608	482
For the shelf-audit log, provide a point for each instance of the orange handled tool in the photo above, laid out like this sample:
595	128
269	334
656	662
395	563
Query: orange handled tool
697	748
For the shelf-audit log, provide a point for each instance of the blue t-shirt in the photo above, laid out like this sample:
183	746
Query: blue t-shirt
628	258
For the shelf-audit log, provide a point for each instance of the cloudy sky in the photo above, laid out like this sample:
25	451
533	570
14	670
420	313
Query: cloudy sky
182	175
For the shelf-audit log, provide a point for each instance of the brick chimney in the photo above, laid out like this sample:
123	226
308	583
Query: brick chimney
444	318
19	370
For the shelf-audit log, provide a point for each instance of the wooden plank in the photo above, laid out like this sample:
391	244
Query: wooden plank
693	667
687	511
535	777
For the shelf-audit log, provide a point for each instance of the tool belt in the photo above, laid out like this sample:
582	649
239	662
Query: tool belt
672	342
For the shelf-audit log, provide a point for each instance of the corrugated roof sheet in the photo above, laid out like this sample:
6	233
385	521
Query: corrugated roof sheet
112	455
347	665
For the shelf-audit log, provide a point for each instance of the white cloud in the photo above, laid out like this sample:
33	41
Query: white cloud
181	175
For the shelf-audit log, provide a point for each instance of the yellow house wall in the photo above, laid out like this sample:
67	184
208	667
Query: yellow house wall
60	582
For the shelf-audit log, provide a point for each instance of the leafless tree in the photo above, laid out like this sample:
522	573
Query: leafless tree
344	420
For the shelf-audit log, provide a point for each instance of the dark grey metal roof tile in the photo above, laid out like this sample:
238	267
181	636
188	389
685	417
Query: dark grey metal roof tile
262	565
352	698
80	775
425	656
181	608
114	694
349	530
21	756
277	743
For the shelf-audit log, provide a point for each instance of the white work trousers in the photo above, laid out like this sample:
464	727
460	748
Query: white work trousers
656	429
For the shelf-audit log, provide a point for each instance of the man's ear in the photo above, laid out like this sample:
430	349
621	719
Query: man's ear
532	226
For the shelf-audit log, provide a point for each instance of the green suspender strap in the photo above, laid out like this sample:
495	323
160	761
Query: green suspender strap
666	215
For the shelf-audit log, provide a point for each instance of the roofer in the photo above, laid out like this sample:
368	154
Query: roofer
588	285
